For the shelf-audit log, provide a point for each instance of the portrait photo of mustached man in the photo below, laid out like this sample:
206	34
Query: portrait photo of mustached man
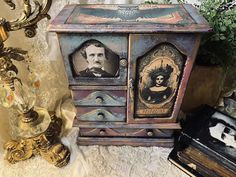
94	59
158	90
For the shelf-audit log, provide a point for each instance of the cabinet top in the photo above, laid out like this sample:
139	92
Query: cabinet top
143	18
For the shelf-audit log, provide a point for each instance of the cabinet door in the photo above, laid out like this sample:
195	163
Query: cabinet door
159	70
95	59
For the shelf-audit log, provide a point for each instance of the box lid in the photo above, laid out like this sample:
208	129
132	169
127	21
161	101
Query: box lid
143	18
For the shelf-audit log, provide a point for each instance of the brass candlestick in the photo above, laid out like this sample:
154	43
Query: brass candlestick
39	129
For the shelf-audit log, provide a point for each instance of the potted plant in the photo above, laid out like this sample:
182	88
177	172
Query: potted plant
216	56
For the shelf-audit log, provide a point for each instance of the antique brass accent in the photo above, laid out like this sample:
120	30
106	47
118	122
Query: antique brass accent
100	116
123	62
39	130
29	17
3	33
150	133
102	132
99	100
46	144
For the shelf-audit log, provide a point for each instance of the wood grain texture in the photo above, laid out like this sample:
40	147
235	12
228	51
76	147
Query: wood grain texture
185	19
185	43
97	87
161	142
99	98
130	132
106	105
124	125
103	114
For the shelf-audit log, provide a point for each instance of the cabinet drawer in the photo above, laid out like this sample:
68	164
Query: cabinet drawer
99	98
110	114
131	132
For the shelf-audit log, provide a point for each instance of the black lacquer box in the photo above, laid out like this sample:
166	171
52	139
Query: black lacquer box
207	145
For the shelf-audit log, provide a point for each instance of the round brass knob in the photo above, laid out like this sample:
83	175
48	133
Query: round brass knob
150	133
102	132
123	62
100	116
99	100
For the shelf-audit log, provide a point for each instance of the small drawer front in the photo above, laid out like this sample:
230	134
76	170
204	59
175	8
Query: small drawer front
122	132
99	98
106	114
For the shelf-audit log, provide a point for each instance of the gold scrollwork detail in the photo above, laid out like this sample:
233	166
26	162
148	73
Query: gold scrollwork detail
18	151
46	144
29	17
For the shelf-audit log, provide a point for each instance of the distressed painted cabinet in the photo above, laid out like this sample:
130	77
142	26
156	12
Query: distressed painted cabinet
128	67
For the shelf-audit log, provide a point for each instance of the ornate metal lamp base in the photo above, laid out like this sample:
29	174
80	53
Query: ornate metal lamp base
46	144
38	130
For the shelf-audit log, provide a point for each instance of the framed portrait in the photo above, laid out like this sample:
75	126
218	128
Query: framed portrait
159	73
92	59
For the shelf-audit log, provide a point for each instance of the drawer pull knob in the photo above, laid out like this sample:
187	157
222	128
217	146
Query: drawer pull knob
123	62
99	100
150	133
102	132
100	116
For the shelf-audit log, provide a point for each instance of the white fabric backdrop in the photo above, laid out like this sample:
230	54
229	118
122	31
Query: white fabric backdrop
86	161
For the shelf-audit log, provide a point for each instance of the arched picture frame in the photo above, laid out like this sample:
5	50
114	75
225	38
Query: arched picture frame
159	73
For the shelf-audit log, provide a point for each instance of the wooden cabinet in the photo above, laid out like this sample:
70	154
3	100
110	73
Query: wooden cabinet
128	67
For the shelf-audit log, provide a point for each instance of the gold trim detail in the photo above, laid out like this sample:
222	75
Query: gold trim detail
29	17
3	34
46	144
40	138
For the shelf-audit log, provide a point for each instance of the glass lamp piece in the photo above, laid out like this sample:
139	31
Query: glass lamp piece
24	98
6	95
37	129
27	130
